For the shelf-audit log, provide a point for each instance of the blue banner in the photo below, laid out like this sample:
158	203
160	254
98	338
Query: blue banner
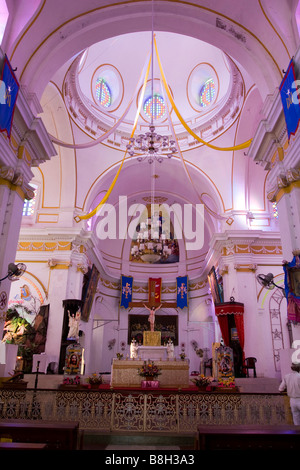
126	290
289	99
182	291
9	88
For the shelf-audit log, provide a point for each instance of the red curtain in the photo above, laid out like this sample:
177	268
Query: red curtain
239	323
222	312
223	322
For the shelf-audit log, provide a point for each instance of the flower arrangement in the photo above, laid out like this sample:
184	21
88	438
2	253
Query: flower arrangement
199	352
202	380
226	383
119	356
149	369
182	356
71	380
94	379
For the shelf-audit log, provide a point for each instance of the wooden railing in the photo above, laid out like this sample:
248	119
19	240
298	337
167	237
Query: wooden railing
144	411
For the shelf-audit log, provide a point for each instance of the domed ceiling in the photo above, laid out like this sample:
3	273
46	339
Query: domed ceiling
103	89
204	83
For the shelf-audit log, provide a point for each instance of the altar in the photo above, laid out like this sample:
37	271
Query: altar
174	374
154	353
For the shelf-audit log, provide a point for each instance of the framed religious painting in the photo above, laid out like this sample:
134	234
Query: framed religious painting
292	288
294	275
216	286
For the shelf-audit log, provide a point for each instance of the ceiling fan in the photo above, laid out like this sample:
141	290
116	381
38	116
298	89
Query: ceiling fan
266	280
14	271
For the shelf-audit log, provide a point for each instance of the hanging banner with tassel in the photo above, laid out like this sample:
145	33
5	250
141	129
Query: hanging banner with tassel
182	291
126	291
9	89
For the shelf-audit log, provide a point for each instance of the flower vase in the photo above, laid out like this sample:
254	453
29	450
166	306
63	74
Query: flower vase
149	378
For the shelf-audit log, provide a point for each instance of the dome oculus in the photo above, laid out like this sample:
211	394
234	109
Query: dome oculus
207	93
103	92
154	107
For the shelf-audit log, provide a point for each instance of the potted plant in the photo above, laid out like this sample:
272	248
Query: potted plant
202	381
94	380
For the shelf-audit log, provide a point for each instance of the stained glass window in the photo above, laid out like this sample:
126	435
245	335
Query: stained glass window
103	92
155	107
207	93
29	205
275	210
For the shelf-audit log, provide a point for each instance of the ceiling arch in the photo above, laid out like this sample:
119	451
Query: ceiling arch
68	34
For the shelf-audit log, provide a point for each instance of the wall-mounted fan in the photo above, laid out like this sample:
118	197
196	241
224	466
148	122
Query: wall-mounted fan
266	280
14	271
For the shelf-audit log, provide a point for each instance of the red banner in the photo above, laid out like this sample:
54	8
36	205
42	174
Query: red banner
154	290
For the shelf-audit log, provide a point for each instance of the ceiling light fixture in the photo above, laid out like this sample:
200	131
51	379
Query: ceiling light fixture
152	146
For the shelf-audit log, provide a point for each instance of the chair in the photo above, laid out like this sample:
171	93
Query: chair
208	365
250	364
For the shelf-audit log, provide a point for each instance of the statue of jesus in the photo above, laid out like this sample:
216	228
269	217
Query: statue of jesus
151	318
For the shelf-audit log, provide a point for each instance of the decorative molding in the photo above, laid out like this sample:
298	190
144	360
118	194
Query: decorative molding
232	249
245	267
44	246
16	180
285	183
58	264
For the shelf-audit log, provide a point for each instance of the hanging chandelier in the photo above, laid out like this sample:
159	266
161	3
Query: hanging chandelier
152	146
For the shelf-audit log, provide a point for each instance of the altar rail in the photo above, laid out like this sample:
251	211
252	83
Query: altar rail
149	411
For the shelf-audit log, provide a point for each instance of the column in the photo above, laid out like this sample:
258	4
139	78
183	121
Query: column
12	197
286	194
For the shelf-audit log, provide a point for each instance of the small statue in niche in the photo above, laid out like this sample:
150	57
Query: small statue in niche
170	349
133	349
74	320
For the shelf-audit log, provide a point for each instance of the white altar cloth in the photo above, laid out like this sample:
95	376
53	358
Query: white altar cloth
154	353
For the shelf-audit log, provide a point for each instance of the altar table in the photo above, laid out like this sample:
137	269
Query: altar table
174	374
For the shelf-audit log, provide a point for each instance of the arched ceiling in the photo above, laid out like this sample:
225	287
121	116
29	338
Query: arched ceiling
60	30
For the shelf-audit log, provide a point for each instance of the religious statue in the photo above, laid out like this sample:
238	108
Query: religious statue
133	349
151	318
74	319
170	349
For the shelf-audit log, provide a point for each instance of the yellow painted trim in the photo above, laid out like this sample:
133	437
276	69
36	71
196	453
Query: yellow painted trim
45	246
287	190
46	222
13	187
275	30
61	266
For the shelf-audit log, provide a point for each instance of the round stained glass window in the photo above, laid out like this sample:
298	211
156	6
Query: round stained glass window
103	93
207	93
155	107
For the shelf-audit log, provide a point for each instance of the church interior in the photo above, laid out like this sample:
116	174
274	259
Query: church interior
150	218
